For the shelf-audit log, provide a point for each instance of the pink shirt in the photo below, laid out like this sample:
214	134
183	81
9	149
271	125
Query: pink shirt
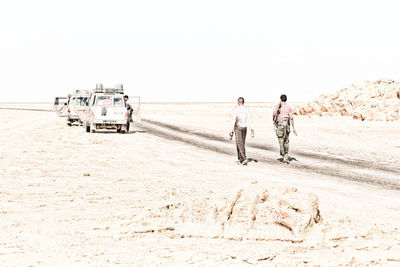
285	113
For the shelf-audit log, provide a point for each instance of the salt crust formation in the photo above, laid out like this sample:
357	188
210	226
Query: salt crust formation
372	100
274	214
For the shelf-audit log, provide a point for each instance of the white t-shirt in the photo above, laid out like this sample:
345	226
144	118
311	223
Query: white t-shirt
244	118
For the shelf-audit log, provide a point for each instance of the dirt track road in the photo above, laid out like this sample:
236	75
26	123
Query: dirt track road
383	175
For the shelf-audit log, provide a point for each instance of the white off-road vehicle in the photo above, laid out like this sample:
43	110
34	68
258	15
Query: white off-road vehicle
106	110
77	102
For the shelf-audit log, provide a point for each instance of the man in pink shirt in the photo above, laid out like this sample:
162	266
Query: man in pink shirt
283	119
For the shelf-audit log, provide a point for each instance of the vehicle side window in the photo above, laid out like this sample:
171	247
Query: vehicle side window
118	102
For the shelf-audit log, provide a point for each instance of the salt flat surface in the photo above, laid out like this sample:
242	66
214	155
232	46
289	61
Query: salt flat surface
75	198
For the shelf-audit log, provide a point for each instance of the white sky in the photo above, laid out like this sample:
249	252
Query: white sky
195	50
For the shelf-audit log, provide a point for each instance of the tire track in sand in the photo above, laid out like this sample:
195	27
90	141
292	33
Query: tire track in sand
351	171
214	137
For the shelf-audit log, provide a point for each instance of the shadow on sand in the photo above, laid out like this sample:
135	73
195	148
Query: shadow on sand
289	158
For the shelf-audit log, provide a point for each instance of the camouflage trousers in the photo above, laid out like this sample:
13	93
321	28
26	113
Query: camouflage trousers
282	132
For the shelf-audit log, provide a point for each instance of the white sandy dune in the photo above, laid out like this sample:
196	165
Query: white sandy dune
74	198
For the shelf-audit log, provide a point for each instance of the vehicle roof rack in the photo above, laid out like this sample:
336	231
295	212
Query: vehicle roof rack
118	89
82	92
113	91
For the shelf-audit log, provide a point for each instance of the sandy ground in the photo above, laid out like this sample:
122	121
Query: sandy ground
74	198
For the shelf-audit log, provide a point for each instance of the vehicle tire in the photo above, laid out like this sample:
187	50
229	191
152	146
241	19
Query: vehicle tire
93	131
88	128
69	123
124	129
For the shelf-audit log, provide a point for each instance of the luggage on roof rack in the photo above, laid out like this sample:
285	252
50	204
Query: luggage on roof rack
113	91
99	88
118	89
81	92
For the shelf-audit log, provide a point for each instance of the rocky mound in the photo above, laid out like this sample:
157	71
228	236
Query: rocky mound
279	214
378	100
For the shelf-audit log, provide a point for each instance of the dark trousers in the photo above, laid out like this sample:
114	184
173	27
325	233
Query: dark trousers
240	136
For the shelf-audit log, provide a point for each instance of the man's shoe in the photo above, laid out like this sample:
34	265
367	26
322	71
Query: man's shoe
244	162
286	159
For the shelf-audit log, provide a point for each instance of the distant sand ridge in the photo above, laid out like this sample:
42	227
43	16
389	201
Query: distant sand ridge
372	100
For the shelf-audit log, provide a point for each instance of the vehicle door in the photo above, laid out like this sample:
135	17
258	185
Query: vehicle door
60	106
110	109
134	102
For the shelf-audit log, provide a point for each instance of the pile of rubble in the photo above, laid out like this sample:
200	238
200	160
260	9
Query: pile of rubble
377	100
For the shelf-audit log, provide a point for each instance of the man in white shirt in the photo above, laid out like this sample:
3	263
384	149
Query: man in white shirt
241	120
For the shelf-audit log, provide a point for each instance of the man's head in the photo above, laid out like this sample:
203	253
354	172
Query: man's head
283	98
240	101
126	97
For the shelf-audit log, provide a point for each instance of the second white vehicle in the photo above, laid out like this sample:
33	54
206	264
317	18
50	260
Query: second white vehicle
77	102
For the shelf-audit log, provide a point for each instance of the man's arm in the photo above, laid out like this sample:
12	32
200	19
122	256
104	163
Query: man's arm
275	110
234	118
275	114
250	122
292	122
